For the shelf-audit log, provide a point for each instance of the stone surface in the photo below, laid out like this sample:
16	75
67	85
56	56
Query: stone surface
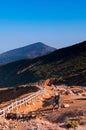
65	105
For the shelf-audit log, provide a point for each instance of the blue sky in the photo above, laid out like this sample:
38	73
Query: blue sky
57	23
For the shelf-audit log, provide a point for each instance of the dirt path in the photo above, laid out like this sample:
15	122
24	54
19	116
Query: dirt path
45	117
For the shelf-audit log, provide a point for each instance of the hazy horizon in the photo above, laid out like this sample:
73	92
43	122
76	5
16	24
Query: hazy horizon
41	42
55	23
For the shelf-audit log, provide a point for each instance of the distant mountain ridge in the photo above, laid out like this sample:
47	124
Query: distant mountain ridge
65	66
29	51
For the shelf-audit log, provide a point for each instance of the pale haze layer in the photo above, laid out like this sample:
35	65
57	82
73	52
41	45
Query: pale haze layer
57	24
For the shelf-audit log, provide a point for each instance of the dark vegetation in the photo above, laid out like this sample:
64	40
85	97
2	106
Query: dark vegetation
15	93
65	66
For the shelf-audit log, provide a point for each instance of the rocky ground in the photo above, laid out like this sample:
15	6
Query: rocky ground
73	100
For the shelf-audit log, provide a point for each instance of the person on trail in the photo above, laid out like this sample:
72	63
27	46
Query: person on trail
56	101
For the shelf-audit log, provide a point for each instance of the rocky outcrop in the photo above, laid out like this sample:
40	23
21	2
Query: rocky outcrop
65	105
4	124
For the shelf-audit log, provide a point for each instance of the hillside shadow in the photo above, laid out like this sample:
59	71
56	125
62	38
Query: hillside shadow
63	117
12	93
80	99
47	102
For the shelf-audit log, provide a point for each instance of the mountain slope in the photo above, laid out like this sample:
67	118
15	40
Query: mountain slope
30	51
65	66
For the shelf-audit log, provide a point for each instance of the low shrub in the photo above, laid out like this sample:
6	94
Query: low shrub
72	123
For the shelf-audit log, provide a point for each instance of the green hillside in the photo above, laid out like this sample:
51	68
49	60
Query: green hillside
67	66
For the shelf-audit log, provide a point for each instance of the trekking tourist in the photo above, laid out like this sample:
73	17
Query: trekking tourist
56	101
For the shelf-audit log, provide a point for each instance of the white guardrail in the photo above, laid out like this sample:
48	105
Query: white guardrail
20	102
